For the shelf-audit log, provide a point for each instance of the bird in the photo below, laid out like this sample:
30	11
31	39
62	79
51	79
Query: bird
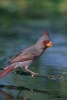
27	56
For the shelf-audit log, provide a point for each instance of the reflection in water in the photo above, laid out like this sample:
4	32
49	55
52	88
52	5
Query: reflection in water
16	35
27	95
7	96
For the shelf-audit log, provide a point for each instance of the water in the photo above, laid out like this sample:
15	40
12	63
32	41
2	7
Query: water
17	35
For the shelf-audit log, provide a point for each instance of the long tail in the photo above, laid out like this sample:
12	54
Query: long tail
5	71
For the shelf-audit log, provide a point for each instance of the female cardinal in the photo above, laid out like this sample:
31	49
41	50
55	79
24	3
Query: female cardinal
26	57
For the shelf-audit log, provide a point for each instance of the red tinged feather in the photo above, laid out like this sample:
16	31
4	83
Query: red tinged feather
7	70
21	58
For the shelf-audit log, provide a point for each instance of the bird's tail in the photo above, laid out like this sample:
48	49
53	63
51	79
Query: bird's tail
7	70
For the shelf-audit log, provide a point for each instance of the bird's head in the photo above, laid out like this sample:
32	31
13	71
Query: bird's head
44	42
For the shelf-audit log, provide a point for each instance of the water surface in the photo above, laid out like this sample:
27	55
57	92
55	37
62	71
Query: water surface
18	35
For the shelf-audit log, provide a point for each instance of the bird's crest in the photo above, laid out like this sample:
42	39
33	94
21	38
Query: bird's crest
46	33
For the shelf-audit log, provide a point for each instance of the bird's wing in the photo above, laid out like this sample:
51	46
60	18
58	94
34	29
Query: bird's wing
23	56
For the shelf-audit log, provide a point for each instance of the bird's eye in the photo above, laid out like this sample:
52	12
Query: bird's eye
45	42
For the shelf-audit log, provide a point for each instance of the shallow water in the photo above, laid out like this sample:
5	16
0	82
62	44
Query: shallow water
20	35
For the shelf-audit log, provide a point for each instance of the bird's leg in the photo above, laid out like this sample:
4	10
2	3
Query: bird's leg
32	73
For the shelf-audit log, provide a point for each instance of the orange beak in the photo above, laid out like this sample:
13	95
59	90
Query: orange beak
49	44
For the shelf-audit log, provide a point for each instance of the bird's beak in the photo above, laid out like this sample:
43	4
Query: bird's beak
49	44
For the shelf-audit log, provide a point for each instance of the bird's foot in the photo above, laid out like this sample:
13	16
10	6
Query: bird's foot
33	74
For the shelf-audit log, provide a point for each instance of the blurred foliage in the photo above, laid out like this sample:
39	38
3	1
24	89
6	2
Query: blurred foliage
17	13
31	8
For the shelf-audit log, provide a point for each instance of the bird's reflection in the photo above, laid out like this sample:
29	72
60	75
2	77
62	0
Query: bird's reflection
7	96
26	96
28	93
